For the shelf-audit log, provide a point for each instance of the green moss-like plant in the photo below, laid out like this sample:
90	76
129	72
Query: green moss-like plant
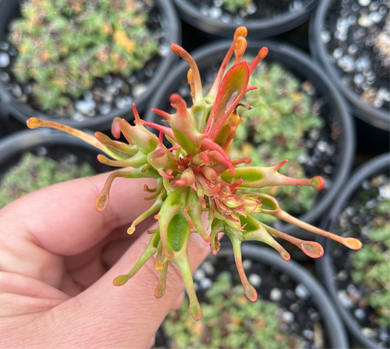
273	130
64	45
372	265
34	172
235	5
229	321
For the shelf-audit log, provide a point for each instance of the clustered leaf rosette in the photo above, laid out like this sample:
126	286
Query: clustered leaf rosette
196	175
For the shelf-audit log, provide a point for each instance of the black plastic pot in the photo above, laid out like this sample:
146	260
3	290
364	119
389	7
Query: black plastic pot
302	67
377	117
324	265
257	28
335	333
51	143
10	105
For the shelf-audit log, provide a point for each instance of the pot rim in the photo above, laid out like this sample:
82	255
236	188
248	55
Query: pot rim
257	28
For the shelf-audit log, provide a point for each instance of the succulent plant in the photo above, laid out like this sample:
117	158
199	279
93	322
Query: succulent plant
229	321
35	172
273	130
372	264
64	45
235	5
197	175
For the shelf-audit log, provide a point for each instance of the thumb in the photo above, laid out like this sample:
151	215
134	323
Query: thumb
128	316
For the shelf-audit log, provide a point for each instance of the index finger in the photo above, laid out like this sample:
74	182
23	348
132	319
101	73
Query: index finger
63	219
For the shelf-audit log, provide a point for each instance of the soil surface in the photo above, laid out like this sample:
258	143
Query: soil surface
357	36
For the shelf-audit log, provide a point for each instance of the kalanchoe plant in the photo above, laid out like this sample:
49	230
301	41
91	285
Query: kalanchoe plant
283	112
197	175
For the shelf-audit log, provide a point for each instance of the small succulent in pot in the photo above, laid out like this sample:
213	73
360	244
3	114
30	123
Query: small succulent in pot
63	45
235	5
34	172
372	265
282	113
197	175
230	321
363	278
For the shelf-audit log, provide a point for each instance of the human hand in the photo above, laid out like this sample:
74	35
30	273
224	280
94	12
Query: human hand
58	258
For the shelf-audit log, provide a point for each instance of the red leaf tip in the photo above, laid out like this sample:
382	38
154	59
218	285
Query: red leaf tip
120	280
241	31
263	53
318	183
34	123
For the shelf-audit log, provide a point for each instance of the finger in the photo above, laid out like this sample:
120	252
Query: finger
129	315
114	250
178	301
62	218
151	342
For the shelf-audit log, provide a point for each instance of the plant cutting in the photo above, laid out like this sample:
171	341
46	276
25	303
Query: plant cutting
196	174
329	150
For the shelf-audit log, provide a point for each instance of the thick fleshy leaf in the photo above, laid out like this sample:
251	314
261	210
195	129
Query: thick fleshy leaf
228	131
195	75
177	231
142	138
183	126
149	252
260	177
87	138
240	32
232	89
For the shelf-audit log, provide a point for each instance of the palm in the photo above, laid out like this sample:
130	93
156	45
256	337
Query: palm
57	256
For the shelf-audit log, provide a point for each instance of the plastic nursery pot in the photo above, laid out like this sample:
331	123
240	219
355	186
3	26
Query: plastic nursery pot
325	266
378	117
203	17
51	144
170	32
303	68
278	282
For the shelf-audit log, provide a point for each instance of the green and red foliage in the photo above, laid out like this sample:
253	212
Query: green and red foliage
196	175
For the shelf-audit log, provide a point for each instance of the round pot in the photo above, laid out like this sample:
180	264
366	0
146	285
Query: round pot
50	143
171	24
259	261
257	28
303	68
378	117
325	265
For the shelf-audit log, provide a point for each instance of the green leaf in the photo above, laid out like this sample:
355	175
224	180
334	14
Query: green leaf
178	230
